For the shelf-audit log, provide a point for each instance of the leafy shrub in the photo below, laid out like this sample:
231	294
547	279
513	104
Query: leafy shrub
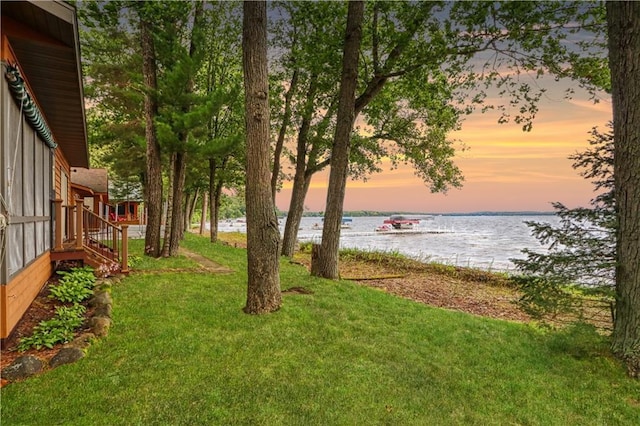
59	329
75	286
132	261
543	297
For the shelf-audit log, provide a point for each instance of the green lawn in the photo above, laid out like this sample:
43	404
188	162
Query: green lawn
182	352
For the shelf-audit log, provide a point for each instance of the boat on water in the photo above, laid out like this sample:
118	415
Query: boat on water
345	224
401	222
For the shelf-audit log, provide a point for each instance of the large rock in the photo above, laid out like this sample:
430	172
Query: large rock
66	356
100	326
23	367
82	341
102	298
103	310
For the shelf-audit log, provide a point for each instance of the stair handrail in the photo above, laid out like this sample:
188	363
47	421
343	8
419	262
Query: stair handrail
105	238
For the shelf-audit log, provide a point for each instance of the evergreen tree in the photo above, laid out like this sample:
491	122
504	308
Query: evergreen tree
582	247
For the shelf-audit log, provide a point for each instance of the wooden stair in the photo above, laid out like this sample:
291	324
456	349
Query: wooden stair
91	239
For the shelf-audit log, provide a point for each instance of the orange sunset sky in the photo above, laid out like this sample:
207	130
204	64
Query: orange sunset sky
505	169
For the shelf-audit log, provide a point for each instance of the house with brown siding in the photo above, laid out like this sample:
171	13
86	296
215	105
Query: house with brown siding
92	186
43	136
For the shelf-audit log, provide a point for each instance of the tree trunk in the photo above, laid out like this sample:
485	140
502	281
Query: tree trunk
294	216
215	193
203	217
153	184
263	235
168	220
213	209
327	262
179	170
286	118
623	19
301	179
189	209
179	174
216	200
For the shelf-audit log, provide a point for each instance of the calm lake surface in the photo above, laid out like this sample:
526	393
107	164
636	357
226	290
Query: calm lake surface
486	242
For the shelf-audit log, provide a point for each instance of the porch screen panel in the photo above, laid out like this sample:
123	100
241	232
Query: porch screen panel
14	234
29	242
15	258
29	170
29	167
27	184
15	165
47	190
40	237
5	101
40	197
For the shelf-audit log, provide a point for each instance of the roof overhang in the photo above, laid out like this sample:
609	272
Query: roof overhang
85	191
51	65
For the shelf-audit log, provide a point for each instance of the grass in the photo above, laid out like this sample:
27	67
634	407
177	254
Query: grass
401	263
182	352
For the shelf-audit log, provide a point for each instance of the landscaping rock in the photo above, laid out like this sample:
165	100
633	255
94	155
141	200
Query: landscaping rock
102	298
66	356
103	311
23	367
100	325
83	341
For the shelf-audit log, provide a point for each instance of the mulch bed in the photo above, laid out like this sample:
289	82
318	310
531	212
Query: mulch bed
42	309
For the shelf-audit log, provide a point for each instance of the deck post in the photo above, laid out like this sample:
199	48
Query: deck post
79	232
71	222
125	249
57	209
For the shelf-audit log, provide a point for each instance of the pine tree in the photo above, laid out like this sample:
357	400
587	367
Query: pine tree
582	247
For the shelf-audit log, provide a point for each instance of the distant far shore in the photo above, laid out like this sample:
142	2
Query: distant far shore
361	213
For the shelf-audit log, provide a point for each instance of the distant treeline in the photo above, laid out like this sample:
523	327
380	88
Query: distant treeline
362	213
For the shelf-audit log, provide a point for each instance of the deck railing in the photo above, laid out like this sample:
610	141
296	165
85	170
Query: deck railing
90	232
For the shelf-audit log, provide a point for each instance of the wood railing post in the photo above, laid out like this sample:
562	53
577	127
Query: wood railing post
57	209
79	233
71	222
125	249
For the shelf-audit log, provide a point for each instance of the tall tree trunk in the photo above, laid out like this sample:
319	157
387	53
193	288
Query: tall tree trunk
286	118
263	235
213	213
189	209
326	264
215	194
203	217
217	197
299	190
306	167
153	184
169	215
294	216
179	174
180	162
623	19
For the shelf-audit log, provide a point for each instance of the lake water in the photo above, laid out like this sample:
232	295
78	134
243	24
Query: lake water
486	242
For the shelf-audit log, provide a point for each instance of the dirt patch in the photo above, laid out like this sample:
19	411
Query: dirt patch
444	292
298	290
206	263
478	293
